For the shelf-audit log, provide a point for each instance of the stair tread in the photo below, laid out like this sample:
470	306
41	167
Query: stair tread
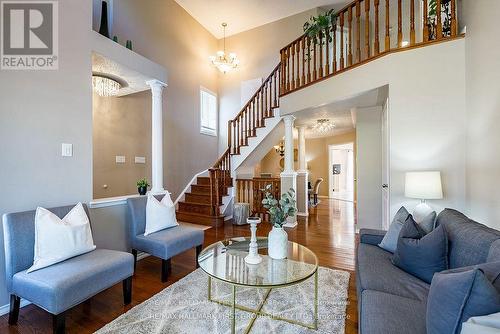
197	214
195	203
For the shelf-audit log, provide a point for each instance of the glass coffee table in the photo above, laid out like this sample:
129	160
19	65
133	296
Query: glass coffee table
224	261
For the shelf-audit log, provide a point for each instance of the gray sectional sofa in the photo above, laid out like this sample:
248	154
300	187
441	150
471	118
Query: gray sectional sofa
391	301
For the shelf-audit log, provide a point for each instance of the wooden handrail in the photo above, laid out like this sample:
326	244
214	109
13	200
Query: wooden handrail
250	191
253	114
318	59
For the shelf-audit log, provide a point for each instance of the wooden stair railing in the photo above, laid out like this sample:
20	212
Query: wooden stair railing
252	116
349	42
250	191
345	44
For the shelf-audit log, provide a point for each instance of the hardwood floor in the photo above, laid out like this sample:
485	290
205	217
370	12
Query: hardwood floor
328	231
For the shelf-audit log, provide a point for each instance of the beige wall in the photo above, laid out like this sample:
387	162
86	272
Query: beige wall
316	157
258	50
122	126
164	32
483	111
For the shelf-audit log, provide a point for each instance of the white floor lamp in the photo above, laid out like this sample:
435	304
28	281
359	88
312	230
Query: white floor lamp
423	186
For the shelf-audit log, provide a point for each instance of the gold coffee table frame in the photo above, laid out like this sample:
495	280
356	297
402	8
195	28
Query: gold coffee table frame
269	287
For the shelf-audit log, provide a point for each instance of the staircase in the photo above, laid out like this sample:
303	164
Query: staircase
306	61
197	205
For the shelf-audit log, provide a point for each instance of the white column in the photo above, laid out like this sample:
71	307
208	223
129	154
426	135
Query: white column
289	176
302	175
288	120
157	136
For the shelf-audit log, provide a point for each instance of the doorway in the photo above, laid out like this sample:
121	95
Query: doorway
341	172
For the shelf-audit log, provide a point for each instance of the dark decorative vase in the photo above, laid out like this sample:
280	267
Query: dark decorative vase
142	190
104	29
128	45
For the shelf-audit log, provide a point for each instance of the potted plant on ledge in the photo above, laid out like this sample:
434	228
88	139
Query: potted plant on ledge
142	186
279	211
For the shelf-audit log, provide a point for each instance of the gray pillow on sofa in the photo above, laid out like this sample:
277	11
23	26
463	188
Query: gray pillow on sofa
390	241
421	254
427	224
458	294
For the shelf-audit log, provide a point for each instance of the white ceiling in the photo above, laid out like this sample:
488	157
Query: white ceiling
339	112
242	15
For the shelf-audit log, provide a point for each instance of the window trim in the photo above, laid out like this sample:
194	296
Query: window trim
205	130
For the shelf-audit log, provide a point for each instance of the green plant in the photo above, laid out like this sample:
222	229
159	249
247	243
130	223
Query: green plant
279	210
319	24
142	183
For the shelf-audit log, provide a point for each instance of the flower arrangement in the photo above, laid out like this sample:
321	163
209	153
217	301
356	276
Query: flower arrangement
279	210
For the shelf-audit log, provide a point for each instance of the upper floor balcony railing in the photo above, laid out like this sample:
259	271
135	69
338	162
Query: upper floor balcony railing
363	31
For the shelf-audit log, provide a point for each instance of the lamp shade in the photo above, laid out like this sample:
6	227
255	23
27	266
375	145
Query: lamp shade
423	185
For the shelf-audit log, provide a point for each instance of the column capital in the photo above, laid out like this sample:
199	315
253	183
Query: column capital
288	119
156	84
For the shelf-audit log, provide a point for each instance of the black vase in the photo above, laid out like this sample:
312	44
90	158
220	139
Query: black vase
142	190
104	29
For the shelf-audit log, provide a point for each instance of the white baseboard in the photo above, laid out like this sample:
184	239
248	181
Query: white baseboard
142	255
5	309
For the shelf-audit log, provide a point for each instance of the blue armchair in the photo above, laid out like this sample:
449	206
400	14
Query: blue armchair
164	244
63	285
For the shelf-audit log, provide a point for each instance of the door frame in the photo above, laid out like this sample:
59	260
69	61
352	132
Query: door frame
345	146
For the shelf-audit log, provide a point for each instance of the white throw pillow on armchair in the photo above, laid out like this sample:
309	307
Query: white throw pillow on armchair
59	239
159	215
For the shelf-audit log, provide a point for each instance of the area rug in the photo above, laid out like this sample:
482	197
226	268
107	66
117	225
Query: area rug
183	307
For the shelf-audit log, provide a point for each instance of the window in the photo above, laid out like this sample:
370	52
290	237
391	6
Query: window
208	112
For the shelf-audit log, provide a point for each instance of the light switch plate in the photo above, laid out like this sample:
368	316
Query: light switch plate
140	160
67	150
120	159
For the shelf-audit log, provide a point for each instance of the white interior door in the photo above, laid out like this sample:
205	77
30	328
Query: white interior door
341	172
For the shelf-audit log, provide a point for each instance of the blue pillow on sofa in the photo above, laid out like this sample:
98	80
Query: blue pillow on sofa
459	294
421	254
390	241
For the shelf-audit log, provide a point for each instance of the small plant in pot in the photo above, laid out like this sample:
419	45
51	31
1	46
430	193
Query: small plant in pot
279	211
142	186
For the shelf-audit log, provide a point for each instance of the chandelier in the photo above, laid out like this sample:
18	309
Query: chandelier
323	125
280	149
105	86
221	60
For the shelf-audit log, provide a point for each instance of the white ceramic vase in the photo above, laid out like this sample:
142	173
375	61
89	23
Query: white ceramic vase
277	247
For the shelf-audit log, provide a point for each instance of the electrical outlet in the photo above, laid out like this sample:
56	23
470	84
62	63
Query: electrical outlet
120	159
